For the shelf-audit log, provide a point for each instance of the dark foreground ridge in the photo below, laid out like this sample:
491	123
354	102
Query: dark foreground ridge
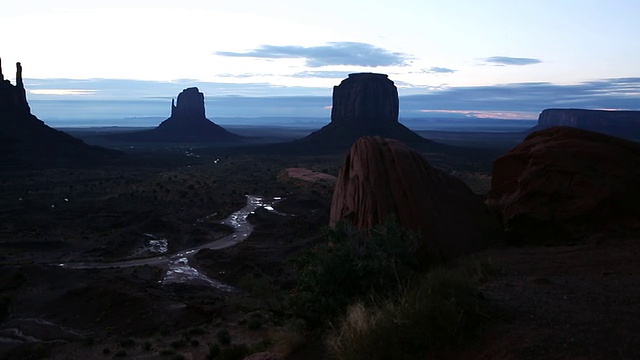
187	124
26	141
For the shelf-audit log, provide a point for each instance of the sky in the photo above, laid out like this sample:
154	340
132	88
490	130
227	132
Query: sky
491	58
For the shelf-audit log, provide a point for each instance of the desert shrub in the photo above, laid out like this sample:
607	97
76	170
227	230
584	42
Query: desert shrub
235	352
224	337
5	303
440	311
254	324
351	265
120	353
214	351
179	344
198	330
127	342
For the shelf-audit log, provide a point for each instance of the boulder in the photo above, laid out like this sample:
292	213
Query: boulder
383	177
624	124
565	183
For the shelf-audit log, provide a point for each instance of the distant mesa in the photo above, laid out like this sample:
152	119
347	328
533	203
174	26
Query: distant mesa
563	183
364	104
25	141
384	177
187	123
625	124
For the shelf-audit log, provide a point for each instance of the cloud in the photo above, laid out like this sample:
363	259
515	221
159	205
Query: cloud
334	53
62	92
322	74
620	93
437	70
505	60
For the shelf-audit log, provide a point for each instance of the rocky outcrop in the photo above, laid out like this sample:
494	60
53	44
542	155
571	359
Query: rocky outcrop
383	177
564	183
187	123
364	104
624	124
26	141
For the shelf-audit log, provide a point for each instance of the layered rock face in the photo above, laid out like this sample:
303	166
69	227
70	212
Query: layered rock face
383	177
187	123
563	183
364	104
26	141
618	123
365	100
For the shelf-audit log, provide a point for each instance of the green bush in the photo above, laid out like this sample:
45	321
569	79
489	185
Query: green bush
351	265
440	312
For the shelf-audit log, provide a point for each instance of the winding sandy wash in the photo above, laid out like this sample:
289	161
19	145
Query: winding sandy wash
178	263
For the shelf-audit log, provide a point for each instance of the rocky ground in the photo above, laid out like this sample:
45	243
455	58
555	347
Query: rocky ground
569	302
564	302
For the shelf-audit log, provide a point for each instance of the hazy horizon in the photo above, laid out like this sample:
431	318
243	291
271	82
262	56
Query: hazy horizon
489	59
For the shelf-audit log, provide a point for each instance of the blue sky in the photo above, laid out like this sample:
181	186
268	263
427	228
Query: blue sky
508	59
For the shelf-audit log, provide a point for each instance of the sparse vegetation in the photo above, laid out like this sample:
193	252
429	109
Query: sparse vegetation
442	311
351	265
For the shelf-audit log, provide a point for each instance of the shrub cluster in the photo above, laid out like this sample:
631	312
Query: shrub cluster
441	311
351	265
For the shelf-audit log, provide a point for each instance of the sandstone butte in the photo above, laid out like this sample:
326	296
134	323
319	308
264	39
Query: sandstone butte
187	123
26	141
364	104
625	124
383	177
563	183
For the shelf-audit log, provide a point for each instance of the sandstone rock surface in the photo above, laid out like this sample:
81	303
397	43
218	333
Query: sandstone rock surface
383	177
564	183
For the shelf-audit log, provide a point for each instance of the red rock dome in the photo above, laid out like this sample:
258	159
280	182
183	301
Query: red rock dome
383	177
563	183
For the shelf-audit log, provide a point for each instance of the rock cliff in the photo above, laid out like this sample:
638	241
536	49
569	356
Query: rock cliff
563	183
26	141
383	177
187	123
618	123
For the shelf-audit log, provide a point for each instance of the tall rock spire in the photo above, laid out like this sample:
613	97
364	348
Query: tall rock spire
13	99
19	82
21	98
1	75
